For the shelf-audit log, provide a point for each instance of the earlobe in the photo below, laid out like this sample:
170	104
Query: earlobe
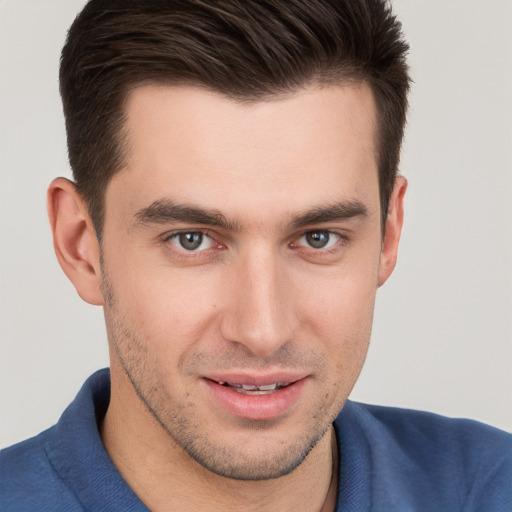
393	230
74	240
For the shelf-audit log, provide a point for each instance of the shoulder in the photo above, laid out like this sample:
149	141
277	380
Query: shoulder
28	463
413	427
434	457
66	468
42	473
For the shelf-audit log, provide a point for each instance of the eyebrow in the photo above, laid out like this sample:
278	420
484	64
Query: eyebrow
331	213
164	210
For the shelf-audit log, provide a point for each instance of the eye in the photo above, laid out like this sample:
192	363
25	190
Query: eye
319	239
191	241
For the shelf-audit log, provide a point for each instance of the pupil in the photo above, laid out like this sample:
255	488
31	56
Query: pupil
191	241
317	239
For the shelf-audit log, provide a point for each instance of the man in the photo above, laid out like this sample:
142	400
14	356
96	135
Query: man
236	205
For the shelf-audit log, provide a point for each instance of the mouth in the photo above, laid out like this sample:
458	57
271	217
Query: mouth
250	389
257	397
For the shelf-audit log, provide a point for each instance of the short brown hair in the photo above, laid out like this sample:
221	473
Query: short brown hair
246	49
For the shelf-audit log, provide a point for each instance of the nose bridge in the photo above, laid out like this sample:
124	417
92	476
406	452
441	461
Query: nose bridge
260	316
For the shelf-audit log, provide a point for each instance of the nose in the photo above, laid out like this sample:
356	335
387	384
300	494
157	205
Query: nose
260	313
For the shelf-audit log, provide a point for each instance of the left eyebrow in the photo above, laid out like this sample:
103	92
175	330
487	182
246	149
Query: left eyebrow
330	213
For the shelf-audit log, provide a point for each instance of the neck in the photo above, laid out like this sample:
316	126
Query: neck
165	477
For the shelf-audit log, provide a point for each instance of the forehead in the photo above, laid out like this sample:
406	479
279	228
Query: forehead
292	152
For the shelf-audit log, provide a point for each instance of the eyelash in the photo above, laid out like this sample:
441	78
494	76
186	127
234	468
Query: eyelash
183	253
334	245
167	239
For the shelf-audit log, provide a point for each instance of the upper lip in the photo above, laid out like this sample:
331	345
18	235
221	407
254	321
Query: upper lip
251	379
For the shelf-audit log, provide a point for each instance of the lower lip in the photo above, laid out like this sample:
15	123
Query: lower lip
256	407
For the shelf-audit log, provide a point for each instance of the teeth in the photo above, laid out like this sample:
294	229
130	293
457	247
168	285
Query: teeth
267	387
255	390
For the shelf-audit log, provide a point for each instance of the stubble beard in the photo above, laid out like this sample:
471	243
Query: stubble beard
179	417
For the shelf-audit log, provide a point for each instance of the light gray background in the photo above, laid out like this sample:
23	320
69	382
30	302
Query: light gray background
443	328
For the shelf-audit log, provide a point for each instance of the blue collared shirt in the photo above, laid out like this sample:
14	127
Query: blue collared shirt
390	460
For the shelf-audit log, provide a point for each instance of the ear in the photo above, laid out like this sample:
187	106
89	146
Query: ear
74	240
394	223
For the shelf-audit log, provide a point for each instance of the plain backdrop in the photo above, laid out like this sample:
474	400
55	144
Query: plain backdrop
442	337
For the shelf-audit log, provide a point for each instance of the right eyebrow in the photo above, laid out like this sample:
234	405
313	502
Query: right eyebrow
164	211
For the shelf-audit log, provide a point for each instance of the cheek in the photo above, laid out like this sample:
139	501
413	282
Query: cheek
338	312
341	300
168	308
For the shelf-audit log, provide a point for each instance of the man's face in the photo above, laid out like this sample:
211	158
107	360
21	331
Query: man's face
240	264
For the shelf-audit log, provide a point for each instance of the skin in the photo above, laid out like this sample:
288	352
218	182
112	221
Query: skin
255	298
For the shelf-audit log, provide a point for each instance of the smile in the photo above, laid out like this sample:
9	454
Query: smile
249	389
253	398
